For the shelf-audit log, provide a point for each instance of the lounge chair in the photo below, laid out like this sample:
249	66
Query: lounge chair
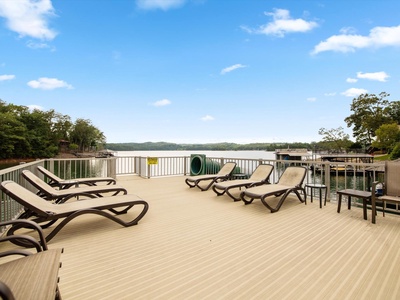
223	174
391	188
260	176
49	193
56	181
290	181
30	275
44	211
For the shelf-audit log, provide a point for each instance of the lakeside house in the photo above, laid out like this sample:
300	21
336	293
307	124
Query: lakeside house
292	154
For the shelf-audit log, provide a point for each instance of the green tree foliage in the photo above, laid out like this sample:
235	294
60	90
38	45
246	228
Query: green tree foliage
86	136
395	154
334	139
393	111
369	113
387	135
36	134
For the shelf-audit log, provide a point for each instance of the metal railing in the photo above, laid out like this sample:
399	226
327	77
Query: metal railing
335	176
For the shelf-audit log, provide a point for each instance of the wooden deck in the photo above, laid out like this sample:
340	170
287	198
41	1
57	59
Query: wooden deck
195	245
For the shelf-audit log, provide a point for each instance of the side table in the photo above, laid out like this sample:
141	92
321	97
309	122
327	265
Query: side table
365	196
320	187
240	176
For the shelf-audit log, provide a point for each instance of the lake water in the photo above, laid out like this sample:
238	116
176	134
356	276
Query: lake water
225	154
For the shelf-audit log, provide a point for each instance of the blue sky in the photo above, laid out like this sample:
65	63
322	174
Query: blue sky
200	71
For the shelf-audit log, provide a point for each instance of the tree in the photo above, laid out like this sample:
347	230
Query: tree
387	135
393	111
334	139
86	136
26	133
369	113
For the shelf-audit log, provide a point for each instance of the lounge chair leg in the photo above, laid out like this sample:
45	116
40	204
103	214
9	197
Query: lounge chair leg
101	213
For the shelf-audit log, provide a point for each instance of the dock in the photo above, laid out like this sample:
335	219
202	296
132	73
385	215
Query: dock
196	245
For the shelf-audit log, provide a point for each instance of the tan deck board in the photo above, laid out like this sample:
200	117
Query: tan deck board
195	245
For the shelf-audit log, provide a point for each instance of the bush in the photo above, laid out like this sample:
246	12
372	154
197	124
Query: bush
395	154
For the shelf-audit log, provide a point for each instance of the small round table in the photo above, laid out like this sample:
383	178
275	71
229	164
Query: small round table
320	187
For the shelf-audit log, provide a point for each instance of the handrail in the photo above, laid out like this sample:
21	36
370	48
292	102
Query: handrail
335	175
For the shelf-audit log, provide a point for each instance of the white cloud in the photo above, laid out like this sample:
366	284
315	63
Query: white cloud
207	118
6	77
351	80
379	76
159	4
162	102
311	99
354	92
35	107
45	83
378	37
232	68
282	24
29	17
34	45
330	94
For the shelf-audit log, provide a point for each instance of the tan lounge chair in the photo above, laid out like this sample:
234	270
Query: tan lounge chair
223	174
56	181
35	274
49	193
391	188
44	211
290	181
260	176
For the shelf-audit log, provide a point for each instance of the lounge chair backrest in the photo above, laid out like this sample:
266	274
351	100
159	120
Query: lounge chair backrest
37	182
293	176
392	178
26	198
261	173
49	174
227	169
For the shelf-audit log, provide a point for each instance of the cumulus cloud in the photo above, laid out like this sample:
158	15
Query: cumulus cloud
45	83
159	4
311	99
29	17
35	107
330	94
378	76
282	24
232	68
207	118
351	80
6	77
354	92
378	37
162	102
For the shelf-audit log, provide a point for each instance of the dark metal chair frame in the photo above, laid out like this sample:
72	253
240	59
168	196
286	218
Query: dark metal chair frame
46	211
225	187
55	181
277	190
59	196
224	174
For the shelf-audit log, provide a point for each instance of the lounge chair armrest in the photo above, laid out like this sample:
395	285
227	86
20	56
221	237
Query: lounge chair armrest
5	292
20	223
26	240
